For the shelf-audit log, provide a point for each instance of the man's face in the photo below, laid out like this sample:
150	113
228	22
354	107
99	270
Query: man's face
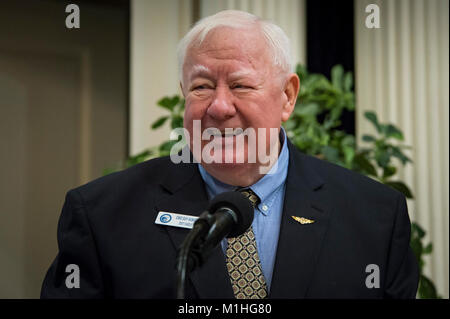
230	81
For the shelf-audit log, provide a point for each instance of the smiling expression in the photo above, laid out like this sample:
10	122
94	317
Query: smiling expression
229	81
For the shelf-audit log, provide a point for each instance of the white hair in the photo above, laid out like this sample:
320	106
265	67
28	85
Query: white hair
277	41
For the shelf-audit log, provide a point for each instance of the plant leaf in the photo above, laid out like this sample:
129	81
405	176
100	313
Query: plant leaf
416	229
177	121
372	117
289	124
349	154
428	249
368	138
396	152
393	132
331	154
167	146
364	164
401	187
427	290
382	157
301	71
138	158
159	122
388	171
337	73
169	103
348	82
307	110
416	247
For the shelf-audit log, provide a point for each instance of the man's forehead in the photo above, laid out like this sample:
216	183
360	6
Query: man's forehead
224	52
236	53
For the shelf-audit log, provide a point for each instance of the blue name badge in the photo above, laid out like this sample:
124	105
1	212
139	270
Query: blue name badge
175	220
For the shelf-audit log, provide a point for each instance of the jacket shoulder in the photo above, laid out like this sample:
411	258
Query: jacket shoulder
350	182
134	179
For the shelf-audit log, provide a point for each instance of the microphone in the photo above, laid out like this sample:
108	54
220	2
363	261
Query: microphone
229	214
233	215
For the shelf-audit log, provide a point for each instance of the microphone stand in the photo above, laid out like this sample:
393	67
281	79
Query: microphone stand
207	231
190	255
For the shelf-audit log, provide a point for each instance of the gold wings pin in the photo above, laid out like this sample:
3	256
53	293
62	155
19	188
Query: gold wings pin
303	220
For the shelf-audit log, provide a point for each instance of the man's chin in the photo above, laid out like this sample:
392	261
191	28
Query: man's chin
236	174
227	166
225	159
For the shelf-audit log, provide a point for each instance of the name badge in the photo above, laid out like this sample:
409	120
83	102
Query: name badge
175	220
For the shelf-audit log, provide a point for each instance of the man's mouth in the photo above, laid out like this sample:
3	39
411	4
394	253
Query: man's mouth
227	132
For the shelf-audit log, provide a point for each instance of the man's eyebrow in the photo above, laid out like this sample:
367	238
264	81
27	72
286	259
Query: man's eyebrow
199	69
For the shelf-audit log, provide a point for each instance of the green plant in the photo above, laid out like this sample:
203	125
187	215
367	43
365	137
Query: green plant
320	103
313	129
427	289
175	106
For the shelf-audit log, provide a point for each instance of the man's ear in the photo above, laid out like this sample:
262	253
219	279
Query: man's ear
291	90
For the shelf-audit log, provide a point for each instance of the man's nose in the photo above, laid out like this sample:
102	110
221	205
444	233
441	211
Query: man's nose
221	107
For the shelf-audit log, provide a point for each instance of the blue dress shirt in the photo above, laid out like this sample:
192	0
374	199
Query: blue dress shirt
267	219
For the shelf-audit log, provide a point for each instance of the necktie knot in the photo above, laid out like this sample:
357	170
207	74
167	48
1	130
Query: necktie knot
250	195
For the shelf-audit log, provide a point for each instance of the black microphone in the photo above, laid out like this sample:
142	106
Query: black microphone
229	214
233	215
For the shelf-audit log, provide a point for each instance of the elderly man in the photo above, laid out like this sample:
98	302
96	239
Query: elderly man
319	231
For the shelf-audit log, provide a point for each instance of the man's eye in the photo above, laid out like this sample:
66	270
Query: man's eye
240	86
201	87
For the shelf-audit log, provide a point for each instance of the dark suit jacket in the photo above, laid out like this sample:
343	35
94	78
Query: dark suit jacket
107	228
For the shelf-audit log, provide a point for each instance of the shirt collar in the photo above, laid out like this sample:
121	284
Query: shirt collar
266	188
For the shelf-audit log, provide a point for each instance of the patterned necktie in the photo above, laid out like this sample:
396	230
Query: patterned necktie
243	262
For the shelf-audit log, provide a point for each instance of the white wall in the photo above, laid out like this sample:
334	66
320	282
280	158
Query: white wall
402	72
156	28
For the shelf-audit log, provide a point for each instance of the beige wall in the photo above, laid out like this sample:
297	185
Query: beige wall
63	112
402	72
156	28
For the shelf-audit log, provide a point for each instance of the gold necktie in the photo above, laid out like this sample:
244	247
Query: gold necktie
243	262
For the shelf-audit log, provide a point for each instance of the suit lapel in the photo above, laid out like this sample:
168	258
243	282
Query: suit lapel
299	244
186	195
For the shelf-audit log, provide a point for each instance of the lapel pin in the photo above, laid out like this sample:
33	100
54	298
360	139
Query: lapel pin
303	220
